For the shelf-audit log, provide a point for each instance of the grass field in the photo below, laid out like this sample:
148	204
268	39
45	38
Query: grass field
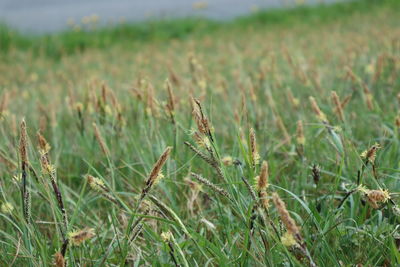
271	140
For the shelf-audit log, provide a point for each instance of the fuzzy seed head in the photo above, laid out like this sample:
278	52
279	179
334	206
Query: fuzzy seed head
253	147
287	220
95	183
23	145
44	146
264	200
166	236
262	179
59	260
300	139
338	105
80	236
7	208
288	239
319	114
227	161
370	154
397	121
154	174
100	140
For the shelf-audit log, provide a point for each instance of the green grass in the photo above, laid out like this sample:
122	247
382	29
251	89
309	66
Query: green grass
70	41
253	73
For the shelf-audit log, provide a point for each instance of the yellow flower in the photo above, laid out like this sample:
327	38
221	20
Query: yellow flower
17	178
227	161
166	236
288	240
79	106
95	183
159	177
7	208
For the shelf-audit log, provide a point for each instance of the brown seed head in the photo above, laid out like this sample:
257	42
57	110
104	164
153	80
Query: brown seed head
287	220
59	260
23	145
44	146
100	140
338	105
370	154
80	236
397	121
378	196
262	181
171	98
263	195
253	147
300	138
154	174
314	106
199	117
282	128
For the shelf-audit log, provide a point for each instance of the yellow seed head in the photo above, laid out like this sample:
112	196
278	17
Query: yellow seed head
300	139
95	183
338	105
44	146
7	208
319	114
288	240
166	236
227	161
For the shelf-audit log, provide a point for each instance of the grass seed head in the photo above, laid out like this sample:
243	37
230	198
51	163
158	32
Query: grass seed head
262	179
287	220
253	147
316	173
155	172
95	183
319	114
288	239
397	121
80	236
166	236
7	208
100	140
59	260
338	105
264	199
23	143
227	160
300	138
370	154
44	146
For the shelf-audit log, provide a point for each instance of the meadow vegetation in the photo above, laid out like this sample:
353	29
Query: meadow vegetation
272	140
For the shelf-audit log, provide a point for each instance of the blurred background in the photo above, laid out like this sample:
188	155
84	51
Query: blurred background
43	16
